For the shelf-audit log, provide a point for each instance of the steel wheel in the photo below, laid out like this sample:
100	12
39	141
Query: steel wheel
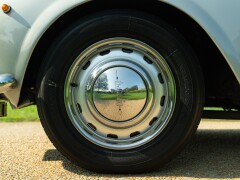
120	93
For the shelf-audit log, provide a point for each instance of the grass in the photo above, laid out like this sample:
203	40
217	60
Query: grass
213	108
26	114
30	114
129	96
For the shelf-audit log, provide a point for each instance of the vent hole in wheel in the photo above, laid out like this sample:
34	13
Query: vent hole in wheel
127	50
162	102
113	136
135	134
153	121
103	53
79	108
147	60
86	65
74	85
160	78
92	126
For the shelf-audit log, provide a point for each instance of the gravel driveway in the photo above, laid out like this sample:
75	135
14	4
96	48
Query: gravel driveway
120	111
26	153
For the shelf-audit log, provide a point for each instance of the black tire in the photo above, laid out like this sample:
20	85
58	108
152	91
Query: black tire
145	28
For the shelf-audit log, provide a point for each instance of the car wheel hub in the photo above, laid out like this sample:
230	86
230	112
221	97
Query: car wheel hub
120	93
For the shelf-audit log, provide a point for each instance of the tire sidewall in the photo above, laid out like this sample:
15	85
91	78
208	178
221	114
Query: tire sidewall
76	39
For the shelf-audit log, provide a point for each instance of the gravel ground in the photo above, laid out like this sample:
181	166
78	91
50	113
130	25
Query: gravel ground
26	153
118	111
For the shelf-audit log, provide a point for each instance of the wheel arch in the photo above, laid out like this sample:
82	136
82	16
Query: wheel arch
170	12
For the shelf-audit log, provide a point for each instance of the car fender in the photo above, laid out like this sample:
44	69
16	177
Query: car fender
23	27
220	20
20	31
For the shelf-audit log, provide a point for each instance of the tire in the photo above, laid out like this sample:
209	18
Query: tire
120	92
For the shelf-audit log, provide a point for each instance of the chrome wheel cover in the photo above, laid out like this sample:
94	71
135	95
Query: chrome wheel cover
120	93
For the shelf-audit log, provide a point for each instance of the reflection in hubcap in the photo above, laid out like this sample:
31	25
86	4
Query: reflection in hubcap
119	94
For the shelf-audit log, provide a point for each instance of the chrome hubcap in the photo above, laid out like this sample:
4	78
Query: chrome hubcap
120	93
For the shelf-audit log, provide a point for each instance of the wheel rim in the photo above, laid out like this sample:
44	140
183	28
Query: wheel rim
120	93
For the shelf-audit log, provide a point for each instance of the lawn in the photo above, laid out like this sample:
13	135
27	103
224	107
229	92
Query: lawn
21	115
129	96
30	113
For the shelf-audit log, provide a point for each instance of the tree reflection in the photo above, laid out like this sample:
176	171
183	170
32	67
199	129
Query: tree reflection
102	83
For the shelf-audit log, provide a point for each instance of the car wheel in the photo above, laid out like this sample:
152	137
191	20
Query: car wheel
120	92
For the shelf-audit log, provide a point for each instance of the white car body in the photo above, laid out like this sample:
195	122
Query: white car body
23	27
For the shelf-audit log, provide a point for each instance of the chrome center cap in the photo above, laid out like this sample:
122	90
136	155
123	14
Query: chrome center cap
119	94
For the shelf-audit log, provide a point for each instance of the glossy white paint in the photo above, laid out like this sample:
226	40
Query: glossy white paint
21	29
220	19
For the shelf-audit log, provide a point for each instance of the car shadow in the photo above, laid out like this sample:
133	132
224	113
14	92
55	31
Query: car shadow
211	154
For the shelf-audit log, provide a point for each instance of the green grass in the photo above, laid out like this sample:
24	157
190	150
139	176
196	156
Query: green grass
128	96
213	108
106	96
30	113
135	96
26	114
